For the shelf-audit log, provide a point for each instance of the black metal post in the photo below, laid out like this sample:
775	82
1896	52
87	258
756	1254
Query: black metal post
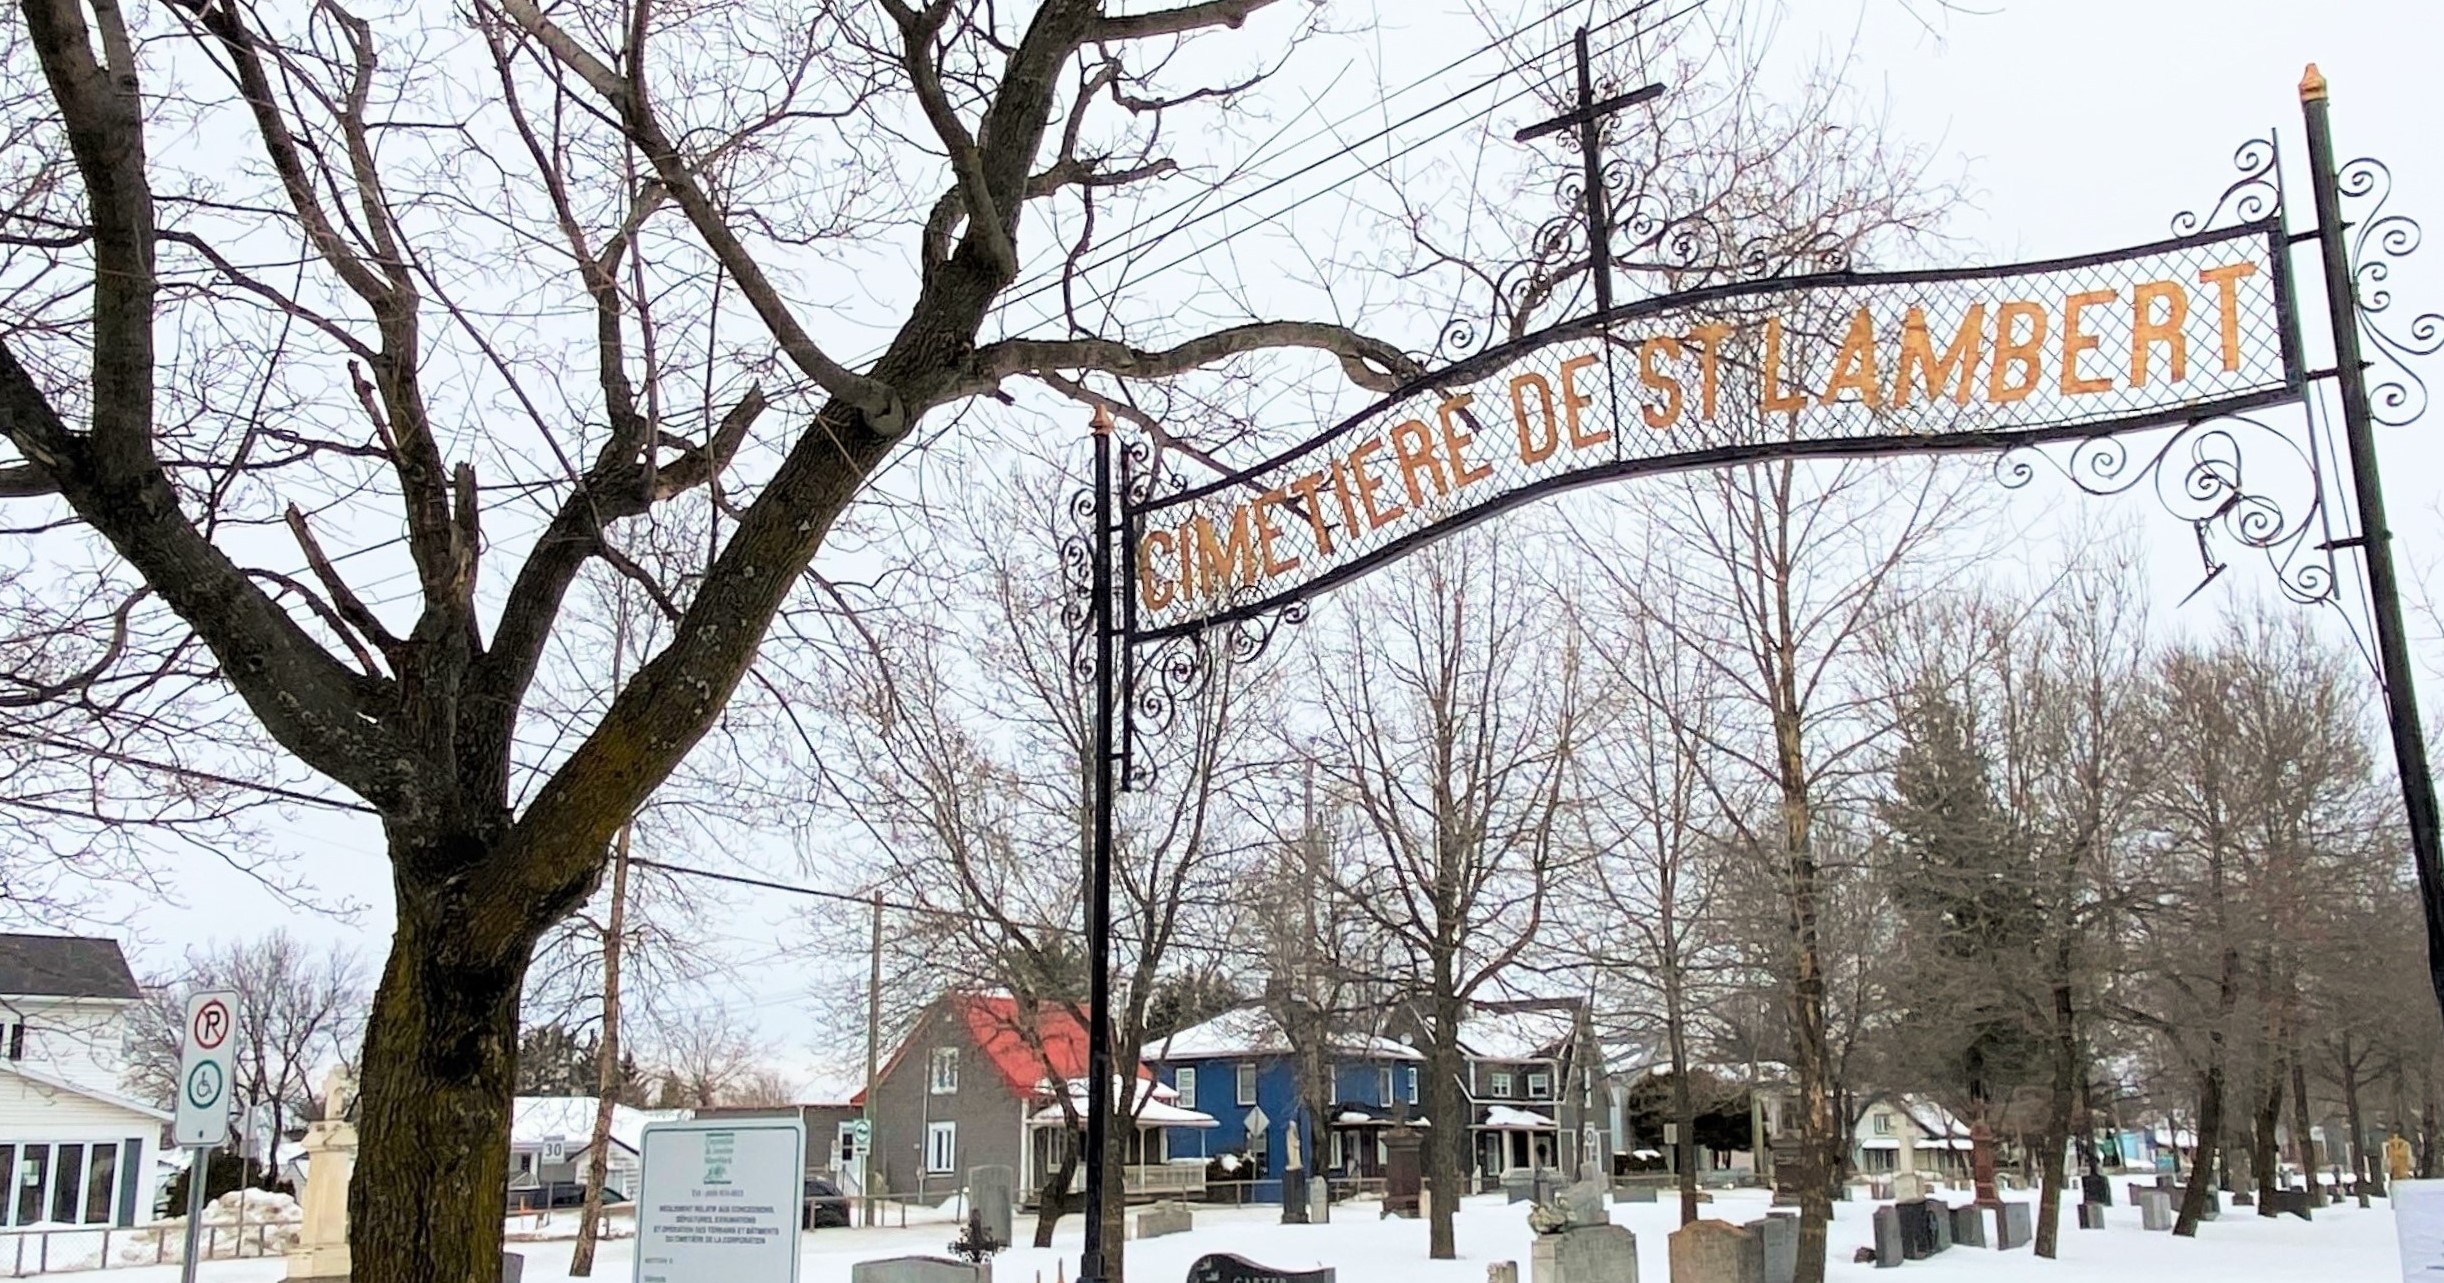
1599	211
2375	537
1099	873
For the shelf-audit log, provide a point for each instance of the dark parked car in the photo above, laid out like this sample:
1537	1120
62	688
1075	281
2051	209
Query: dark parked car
558	1194
826	1206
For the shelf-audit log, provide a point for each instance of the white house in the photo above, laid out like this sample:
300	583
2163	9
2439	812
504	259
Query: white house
1910	1133
551	1141
77	1151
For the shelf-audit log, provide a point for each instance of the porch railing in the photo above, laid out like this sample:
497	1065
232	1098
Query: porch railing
1152	1180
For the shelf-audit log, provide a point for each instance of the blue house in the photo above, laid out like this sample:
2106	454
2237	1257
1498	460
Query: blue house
1239	1068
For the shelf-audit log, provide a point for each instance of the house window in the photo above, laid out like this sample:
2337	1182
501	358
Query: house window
1412	1084
12	1036
1185	1083
1502	1083
1332	1084
1883	1124
1247	1084
1383	1086
941	1147
944	1080
1540	1086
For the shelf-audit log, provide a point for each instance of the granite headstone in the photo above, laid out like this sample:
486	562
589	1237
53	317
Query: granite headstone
1224	1267
916	1269
2013	1226
989	1191
1969	1226
1778	1243
1888	1254
1586	1254
1716	1252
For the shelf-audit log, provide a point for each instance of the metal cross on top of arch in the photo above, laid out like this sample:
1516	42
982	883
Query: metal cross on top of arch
2049	365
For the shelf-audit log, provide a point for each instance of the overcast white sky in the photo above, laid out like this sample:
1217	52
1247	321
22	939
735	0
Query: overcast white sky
2080	125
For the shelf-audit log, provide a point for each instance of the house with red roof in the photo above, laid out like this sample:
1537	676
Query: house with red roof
986	1080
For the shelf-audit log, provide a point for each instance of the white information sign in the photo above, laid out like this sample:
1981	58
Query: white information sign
203	1070
720	1199
2418	1222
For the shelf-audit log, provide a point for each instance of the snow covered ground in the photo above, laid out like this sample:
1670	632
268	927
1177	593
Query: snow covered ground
2343	1243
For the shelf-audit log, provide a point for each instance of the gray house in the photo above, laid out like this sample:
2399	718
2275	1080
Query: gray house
980	1081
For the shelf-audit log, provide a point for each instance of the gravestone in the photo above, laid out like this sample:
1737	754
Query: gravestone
1519	1186
1633	1194
2134	1190
330	1145
1909	1187
1319	1203
1502	1272
989	1192
1716	1252
2091	1216
2294	1201
1942	1219
1403	1173
1917	1220
2013	1226
513	1268
1223	1267
2155	1209
1294	1195
1969	1226
1163	1219
916	1269
1785	1151
1583	1203
1587	1254
1778	1246
2097	1188
1888	1255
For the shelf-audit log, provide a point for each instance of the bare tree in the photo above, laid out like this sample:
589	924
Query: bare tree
211	346
1448	698
1653	938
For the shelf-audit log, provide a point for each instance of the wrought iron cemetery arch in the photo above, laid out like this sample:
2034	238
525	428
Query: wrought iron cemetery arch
1166	578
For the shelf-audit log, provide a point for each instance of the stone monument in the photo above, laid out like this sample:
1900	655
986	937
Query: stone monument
1402	1171
1716	1252
991	1192
1887	1223
330	1146
1778	1237
1584	1254
1293	1177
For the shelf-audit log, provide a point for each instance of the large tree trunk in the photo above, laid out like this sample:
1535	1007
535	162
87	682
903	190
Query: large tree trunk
1052	1202
2265	1153
2068	1079
2302	1142
1116	1185
2201	1187
1684	1103
439	1070
1447	1127
2363	1171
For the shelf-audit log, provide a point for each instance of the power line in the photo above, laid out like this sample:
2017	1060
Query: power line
1119	252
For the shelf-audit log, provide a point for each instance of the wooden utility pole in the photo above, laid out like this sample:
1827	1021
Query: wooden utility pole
874	1034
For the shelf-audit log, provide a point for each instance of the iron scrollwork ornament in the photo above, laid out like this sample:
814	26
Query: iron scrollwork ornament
2197	471
2380	237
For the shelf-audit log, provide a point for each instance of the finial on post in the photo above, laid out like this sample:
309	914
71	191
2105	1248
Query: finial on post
1103	421
2312	84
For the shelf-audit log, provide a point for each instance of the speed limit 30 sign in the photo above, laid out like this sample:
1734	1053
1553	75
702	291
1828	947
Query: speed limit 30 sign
203	1070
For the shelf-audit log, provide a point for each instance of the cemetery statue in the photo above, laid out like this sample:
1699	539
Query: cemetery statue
2397	1157
339	1094
1289	1148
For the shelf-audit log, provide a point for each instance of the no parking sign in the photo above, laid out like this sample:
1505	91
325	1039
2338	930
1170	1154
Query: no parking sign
203	1070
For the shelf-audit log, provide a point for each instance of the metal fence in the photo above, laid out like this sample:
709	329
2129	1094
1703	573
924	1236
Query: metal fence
28	1252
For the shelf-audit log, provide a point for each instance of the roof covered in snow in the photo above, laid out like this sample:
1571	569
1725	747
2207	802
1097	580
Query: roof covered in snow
1254	1031
534	1120
1526	1034
1509	1119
